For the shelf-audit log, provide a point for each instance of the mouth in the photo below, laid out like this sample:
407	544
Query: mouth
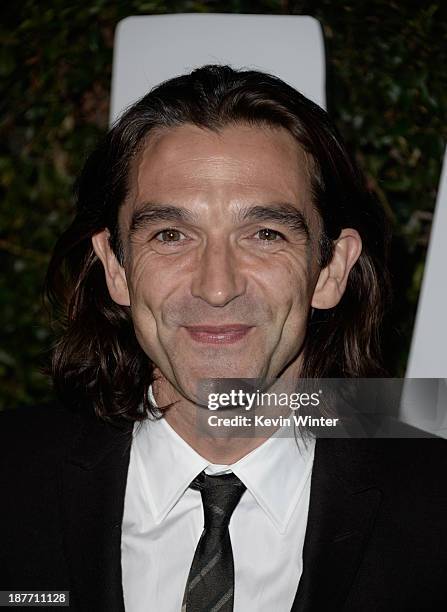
218	334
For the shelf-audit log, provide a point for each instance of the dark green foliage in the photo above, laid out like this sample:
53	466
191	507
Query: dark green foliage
387	70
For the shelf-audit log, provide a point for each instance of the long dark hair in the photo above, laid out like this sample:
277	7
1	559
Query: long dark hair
97	357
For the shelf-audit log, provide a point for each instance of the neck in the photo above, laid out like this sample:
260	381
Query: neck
223	450
182	417
216	444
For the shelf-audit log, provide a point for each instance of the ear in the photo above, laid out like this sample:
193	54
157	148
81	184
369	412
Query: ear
331	283
114	272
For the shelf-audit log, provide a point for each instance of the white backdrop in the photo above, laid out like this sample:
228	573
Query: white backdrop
150	49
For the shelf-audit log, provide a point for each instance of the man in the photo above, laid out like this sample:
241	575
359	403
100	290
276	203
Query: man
222	232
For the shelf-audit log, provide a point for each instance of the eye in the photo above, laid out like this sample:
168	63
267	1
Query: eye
169	235
269	235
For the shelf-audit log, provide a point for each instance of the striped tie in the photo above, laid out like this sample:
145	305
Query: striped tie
210	585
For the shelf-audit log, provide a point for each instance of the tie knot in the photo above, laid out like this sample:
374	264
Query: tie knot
220	496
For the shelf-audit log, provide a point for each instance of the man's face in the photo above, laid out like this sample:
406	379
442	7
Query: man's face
220	241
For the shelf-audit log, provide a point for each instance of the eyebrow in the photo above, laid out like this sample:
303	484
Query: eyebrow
151	213
283	213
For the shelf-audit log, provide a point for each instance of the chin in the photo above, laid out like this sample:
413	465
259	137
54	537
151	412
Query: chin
226	370
198	381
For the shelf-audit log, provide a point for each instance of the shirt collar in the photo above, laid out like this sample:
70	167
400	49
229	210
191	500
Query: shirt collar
166	464
275	472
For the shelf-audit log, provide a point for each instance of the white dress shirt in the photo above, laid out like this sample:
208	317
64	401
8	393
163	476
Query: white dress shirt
163	520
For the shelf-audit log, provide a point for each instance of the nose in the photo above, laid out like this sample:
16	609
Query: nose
218	278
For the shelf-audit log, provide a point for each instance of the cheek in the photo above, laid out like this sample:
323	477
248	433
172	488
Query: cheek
149	283
153	287
144	304
295	308
285	283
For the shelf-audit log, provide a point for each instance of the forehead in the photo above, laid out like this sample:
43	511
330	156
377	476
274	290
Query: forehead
239	162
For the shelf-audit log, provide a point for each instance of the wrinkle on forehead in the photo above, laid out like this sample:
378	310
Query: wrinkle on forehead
241	157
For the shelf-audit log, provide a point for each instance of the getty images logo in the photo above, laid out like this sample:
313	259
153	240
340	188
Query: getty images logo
249	400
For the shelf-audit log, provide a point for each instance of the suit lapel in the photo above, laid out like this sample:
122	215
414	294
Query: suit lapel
343	505
93	484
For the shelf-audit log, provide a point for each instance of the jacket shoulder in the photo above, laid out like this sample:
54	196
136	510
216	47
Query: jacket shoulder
37	433
396	465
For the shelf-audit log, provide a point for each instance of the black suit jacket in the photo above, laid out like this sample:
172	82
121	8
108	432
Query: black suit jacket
375	541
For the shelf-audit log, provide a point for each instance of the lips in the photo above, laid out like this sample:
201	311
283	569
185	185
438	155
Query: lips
218	334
